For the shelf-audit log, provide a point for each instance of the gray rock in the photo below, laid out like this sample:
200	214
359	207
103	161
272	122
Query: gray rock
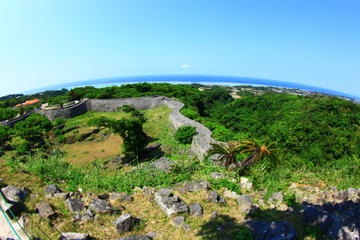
74	204
148	190
125	223
100	206
52	188
137	237
245	203
348	233
87	216
214	214
276	198
214	197
152	146
178	221
74	236
169	203
245	183
196	209
163	164
121	197
272	231
217	175
351	193
197	185
44	209
230	194
15	194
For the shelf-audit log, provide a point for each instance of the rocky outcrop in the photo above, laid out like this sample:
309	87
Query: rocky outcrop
340	221
125	223
74	236
272	231
169	202
15	194
75	205
44	209
163	164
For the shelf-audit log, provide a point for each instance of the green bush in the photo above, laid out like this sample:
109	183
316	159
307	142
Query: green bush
185	134
127	108
23	148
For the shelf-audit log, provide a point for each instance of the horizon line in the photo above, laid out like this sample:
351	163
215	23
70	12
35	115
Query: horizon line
198	79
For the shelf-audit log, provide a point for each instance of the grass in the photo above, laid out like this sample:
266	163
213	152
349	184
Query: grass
72	171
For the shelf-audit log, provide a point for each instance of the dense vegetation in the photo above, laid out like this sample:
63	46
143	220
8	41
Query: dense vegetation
318	137
185	134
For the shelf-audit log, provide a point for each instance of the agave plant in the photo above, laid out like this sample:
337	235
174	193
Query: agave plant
257	152
227	151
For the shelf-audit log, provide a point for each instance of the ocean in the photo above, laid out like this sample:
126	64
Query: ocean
189	79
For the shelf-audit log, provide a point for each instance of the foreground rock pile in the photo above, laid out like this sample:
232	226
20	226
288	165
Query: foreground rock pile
335	213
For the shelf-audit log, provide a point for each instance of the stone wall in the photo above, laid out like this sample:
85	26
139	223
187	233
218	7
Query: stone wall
200	144
69	112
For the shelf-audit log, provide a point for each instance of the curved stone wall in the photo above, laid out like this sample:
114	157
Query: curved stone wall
200	144
69	112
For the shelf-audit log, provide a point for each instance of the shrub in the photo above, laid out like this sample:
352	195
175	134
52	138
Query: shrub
23	148
5	135
126	108
185	134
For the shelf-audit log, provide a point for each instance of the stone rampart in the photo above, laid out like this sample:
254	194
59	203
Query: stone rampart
200	144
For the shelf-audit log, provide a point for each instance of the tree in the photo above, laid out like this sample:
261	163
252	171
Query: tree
185	134
33	128
227	151
7	114
133	135
257	152
99	122
5	135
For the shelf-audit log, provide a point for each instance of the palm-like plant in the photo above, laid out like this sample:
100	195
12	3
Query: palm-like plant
257	152
227	151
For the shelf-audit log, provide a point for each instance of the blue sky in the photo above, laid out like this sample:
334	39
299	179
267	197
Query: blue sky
314	42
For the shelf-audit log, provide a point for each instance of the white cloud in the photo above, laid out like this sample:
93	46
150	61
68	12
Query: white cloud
185	66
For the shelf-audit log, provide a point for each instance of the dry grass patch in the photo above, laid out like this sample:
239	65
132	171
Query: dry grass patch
89	151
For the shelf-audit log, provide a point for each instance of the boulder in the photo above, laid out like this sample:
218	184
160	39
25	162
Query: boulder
214	197
245	183
125	223
61	195
52	188
170	203
74	236
276	198
74	204
137	237
163	164
100	206
44	209
152	146
87	216
15	194
193	186
271	231
214	214
230	194
217	175
178	221
197	185
245	203
121	197
196	209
